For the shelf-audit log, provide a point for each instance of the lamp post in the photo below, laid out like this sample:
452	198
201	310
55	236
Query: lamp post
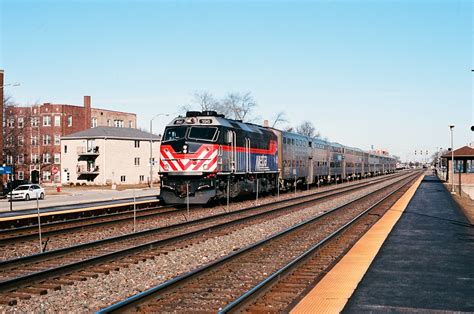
151	147
451	127
12	84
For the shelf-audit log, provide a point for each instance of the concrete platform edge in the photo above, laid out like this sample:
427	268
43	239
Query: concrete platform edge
331	294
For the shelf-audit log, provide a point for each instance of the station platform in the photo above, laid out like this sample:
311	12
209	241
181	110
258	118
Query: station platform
421	262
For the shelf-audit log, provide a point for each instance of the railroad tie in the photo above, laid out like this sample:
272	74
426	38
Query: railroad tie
8	301
33	290
50	286
19	295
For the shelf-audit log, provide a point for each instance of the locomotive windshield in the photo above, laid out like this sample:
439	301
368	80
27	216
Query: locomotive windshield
174	133
202	133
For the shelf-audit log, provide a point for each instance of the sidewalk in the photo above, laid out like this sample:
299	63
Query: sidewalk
426	264
78	196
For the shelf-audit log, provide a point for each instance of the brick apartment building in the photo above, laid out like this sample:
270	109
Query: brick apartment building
32	135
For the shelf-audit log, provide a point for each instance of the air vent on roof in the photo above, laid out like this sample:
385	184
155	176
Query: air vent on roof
193	113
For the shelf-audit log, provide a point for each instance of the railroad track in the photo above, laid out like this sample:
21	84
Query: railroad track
11	237
229	282
25	218
36	274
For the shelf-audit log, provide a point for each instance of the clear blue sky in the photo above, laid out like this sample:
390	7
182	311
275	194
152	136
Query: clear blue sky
392	74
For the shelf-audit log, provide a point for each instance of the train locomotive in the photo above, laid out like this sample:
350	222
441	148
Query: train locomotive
206	156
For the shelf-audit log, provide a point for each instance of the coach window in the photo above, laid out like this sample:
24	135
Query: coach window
292	141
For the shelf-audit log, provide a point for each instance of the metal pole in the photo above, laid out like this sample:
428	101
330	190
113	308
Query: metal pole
256	201
295	186
11	195
452	161
228	191
278	186
134	213
151	154
187	198
39	224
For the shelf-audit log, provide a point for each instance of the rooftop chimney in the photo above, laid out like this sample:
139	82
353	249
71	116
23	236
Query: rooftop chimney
87	115
265	123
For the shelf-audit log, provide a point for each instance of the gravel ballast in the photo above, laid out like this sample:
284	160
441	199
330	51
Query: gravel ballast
93	294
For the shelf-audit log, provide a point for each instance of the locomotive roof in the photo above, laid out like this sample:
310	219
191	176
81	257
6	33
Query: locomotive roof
219	121
214	119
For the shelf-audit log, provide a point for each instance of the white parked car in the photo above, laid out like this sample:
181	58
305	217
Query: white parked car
27	192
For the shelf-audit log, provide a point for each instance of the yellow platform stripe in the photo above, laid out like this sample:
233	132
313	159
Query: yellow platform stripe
331	294
67	211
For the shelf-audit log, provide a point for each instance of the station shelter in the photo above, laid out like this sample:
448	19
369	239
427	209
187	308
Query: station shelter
463	169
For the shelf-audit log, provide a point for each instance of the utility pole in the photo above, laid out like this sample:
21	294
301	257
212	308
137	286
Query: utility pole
451	127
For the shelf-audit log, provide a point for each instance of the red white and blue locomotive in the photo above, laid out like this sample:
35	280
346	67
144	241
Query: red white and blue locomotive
205	154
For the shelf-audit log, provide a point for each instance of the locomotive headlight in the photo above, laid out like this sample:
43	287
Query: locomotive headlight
185	148
166	167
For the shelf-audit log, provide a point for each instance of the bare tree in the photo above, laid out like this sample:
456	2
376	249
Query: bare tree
279	118
16	135
205	100
307	128
240	106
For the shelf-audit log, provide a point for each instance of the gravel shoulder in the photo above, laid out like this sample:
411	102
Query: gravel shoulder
94	294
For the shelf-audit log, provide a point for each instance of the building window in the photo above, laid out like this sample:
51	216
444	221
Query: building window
47	121
34	158
94	122
21	159
11	123
109	122
141	178
118	123
130	123
65	149
122	178
46	176
57	139
47	158
21	175
21	122
57	159
21	140
69	121
458	166
34	121
137	144
34	140
137	161
46	139
57	120
9	159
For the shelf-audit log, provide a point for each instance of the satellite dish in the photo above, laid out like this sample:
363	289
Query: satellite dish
472	128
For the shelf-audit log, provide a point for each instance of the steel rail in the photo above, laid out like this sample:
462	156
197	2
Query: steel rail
68	268
249	296
213	265
94	221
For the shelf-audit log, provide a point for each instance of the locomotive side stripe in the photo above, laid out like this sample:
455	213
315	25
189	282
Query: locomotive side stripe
213	164
170	162
203	160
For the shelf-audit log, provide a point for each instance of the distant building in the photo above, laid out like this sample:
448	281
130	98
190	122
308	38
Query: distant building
33	135
463	169
109	155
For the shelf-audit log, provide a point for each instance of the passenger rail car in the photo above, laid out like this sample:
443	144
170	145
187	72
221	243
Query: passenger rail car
204	155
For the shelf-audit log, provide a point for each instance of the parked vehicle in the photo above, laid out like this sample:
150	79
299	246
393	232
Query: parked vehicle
27	192
11	185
